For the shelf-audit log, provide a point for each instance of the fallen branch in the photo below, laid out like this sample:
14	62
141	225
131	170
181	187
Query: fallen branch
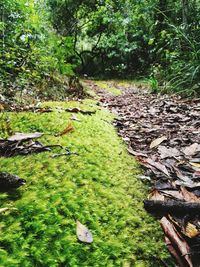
172	206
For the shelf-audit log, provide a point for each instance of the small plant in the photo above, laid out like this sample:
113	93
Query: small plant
153	84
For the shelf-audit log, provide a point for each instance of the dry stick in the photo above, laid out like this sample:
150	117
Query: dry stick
177	240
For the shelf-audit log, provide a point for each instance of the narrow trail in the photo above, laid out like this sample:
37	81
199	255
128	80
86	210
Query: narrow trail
163	132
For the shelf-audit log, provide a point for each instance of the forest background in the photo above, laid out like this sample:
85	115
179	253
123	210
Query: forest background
42	42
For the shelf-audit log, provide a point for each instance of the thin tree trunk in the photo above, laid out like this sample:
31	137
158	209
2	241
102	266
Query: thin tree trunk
185	12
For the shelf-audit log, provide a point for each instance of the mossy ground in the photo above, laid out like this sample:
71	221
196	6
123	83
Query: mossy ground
98	187
114	86
108	87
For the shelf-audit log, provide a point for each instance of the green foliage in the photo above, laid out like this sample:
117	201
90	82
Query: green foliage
129	38
176	44
42	39
98	187
31	51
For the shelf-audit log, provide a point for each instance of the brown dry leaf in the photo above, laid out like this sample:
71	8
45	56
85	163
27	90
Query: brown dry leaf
172	194
158	166
83	234
189	196
1	107
156	195
168	152
44	110
191	150
135	153
24	136
157	141
77	110
191	230
67	130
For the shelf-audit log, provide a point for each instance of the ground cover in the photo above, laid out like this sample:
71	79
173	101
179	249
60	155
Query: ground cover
98	187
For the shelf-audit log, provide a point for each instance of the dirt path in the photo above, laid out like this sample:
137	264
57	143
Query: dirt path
163	132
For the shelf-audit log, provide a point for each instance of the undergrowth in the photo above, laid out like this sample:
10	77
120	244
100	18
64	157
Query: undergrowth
98	187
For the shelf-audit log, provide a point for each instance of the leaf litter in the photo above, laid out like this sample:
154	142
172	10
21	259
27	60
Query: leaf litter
23	144
163	132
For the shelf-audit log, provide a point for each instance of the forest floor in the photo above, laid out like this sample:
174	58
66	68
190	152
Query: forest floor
98	186
163	133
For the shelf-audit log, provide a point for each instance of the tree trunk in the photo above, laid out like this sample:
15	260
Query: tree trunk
185	12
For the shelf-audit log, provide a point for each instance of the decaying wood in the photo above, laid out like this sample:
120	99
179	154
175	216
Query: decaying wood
172	206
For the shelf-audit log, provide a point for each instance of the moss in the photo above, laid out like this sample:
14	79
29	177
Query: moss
108	87
98	187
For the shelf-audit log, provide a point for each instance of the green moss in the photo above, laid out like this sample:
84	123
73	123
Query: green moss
108	87
98	187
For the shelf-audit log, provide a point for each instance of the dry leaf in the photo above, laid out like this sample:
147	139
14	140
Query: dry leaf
74	118
1	107
157	141
189	196
24	136
168	152
158	166
156	195
197	165
77	110
83	234
191	231
172	194
67	130
191	150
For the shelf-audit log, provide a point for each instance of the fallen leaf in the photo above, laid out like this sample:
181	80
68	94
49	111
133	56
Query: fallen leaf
135	153
191	230
173	194
24	136
1	107
67	130
157	141
189	196
156	195
83	234
77	110
197	165
74	118
168	152
158	166
43	110
191	150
